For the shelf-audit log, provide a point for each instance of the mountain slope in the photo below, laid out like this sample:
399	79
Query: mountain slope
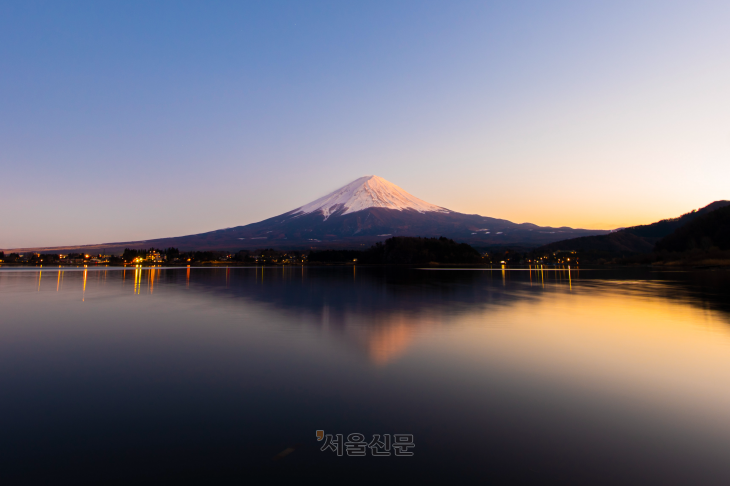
367	192
711	230
636	239
368	210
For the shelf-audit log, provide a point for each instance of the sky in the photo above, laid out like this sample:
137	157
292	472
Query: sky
133	120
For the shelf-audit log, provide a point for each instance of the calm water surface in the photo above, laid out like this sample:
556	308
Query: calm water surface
164	376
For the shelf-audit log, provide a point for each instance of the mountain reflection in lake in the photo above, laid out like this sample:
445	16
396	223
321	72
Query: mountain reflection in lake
205	375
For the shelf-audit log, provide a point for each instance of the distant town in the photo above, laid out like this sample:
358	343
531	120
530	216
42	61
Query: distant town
395	250
155	256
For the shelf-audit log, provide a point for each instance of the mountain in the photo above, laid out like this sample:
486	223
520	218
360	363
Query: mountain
367	192
707	231
357	215
636	239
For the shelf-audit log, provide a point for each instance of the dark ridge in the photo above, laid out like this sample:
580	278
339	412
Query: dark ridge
708	232
629	241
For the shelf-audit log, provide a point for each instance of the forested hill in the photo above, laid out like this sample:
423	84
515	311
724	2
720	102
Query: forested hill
711	230
636	239
666	227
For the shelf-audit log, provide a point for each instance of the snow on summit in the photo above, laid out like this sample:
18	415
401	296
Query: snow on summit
368	192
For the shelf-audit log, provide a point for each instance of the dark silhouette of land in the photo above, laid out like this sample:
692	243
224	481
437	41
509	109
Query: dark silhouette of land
404	250
697	238
711	230
694	237
353	231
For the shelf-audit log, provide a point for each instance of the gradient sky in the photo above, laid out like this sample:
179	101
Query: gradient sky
134	120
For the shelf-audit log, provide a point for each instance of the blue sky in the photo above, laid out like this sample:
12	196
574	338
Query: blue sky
132	120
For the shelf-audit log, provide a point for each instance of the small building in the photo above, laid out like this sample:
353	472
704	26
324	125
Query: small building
155	256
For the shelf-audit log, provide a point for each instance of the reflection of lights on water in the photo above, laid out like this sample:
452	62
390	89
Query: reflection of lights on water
137	278
570	282
83	292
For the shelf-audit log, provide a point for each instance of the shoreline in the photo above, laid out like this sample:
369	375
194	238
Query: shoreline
678	265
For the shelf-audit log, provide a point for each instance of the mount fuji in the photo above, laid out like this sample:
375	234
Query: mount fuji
367	210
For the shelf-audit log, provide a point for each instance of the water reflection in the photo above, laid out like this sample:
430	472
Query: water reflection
137	279
382	313
596	376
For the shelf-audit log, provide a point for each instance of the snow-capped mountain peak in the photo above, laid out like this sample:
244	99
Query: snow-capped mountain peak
368	192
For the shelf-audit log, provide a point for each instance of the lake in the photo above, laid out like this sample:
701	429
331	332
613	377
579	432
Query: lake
224	375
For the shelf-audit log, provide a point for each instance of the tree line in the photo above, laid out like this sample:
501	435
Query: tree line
403	250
